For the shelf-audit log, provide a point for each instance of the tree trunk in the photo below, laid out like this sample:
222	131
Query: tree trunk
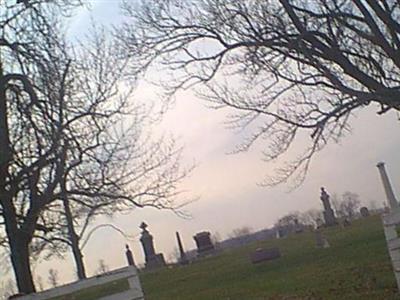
19	247
78	256
18	240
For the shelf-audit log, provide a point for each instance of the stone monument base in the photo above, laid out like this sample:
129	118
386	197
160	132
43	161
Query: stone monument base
329	217
206	252
183	261
155	262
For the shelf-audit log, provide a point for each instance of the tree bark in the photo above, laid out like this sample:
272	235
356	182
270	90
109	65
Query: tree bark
19	246
73	237
18	239
78	256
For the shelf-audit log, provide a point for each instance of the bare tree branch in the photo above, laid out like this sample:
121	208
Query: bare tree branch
283	67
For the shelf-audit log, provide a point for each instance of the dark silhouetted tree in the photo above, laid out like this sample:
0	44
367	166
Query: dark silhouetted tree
290	220
29	136
73	142
283	66
350	204
311	217
240	232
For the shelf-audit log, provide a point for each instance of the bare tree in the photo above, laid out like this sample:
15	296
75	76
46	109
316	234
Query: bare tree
111	163
216	239
290	220
240	232
283	66
28	159
350	204
102	267
373	205
72	144
347	206
311	217
336	204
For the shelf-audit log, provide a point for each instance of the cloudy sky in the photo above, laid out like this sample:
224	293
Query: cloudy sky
227	184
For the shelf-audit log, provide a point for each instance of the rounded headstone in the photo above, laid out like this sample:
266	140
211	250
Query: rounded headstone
364	212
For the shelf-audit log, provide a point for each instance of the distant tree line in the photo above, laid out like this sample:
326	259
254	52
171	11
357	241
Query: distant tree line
346	207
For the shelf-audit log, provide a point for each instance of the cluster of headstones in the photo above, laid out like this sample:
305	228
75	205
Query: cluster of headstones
329	215
205	246
331	220
155	260
260	254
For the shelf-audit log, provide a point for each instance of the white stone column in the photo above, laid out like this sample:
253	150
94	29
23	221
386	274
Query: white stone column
394	205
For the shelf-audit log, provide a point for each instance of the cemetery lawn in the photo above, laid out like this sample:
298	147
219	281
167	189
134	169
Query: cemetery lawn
356	266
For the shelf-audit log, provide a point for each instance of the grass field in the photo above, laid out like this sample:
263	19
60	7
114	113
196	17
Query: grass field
356	266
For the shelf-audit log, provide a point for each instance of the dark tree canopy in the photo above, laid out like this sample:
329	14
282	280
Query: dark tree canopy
31	72
74	143
284	66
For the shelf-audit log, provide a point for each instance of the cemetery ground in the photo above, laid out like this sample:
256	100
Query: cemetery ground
356	266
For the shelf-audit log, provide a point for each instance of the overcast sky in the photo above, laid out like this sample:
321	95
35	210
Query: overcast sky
227	184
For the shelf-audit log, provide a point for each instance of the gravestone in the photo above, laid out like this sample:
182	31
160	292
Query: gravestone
204	243
129	256
152	259
298	228
182	259
364	212
320	240
329	215
346	222
281	232
319	223
262	254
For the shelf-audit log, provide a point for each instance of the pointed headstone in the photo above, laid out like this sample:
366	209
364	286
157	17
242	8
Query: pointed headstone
364	211
153	259
320	240
129	256
183	259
